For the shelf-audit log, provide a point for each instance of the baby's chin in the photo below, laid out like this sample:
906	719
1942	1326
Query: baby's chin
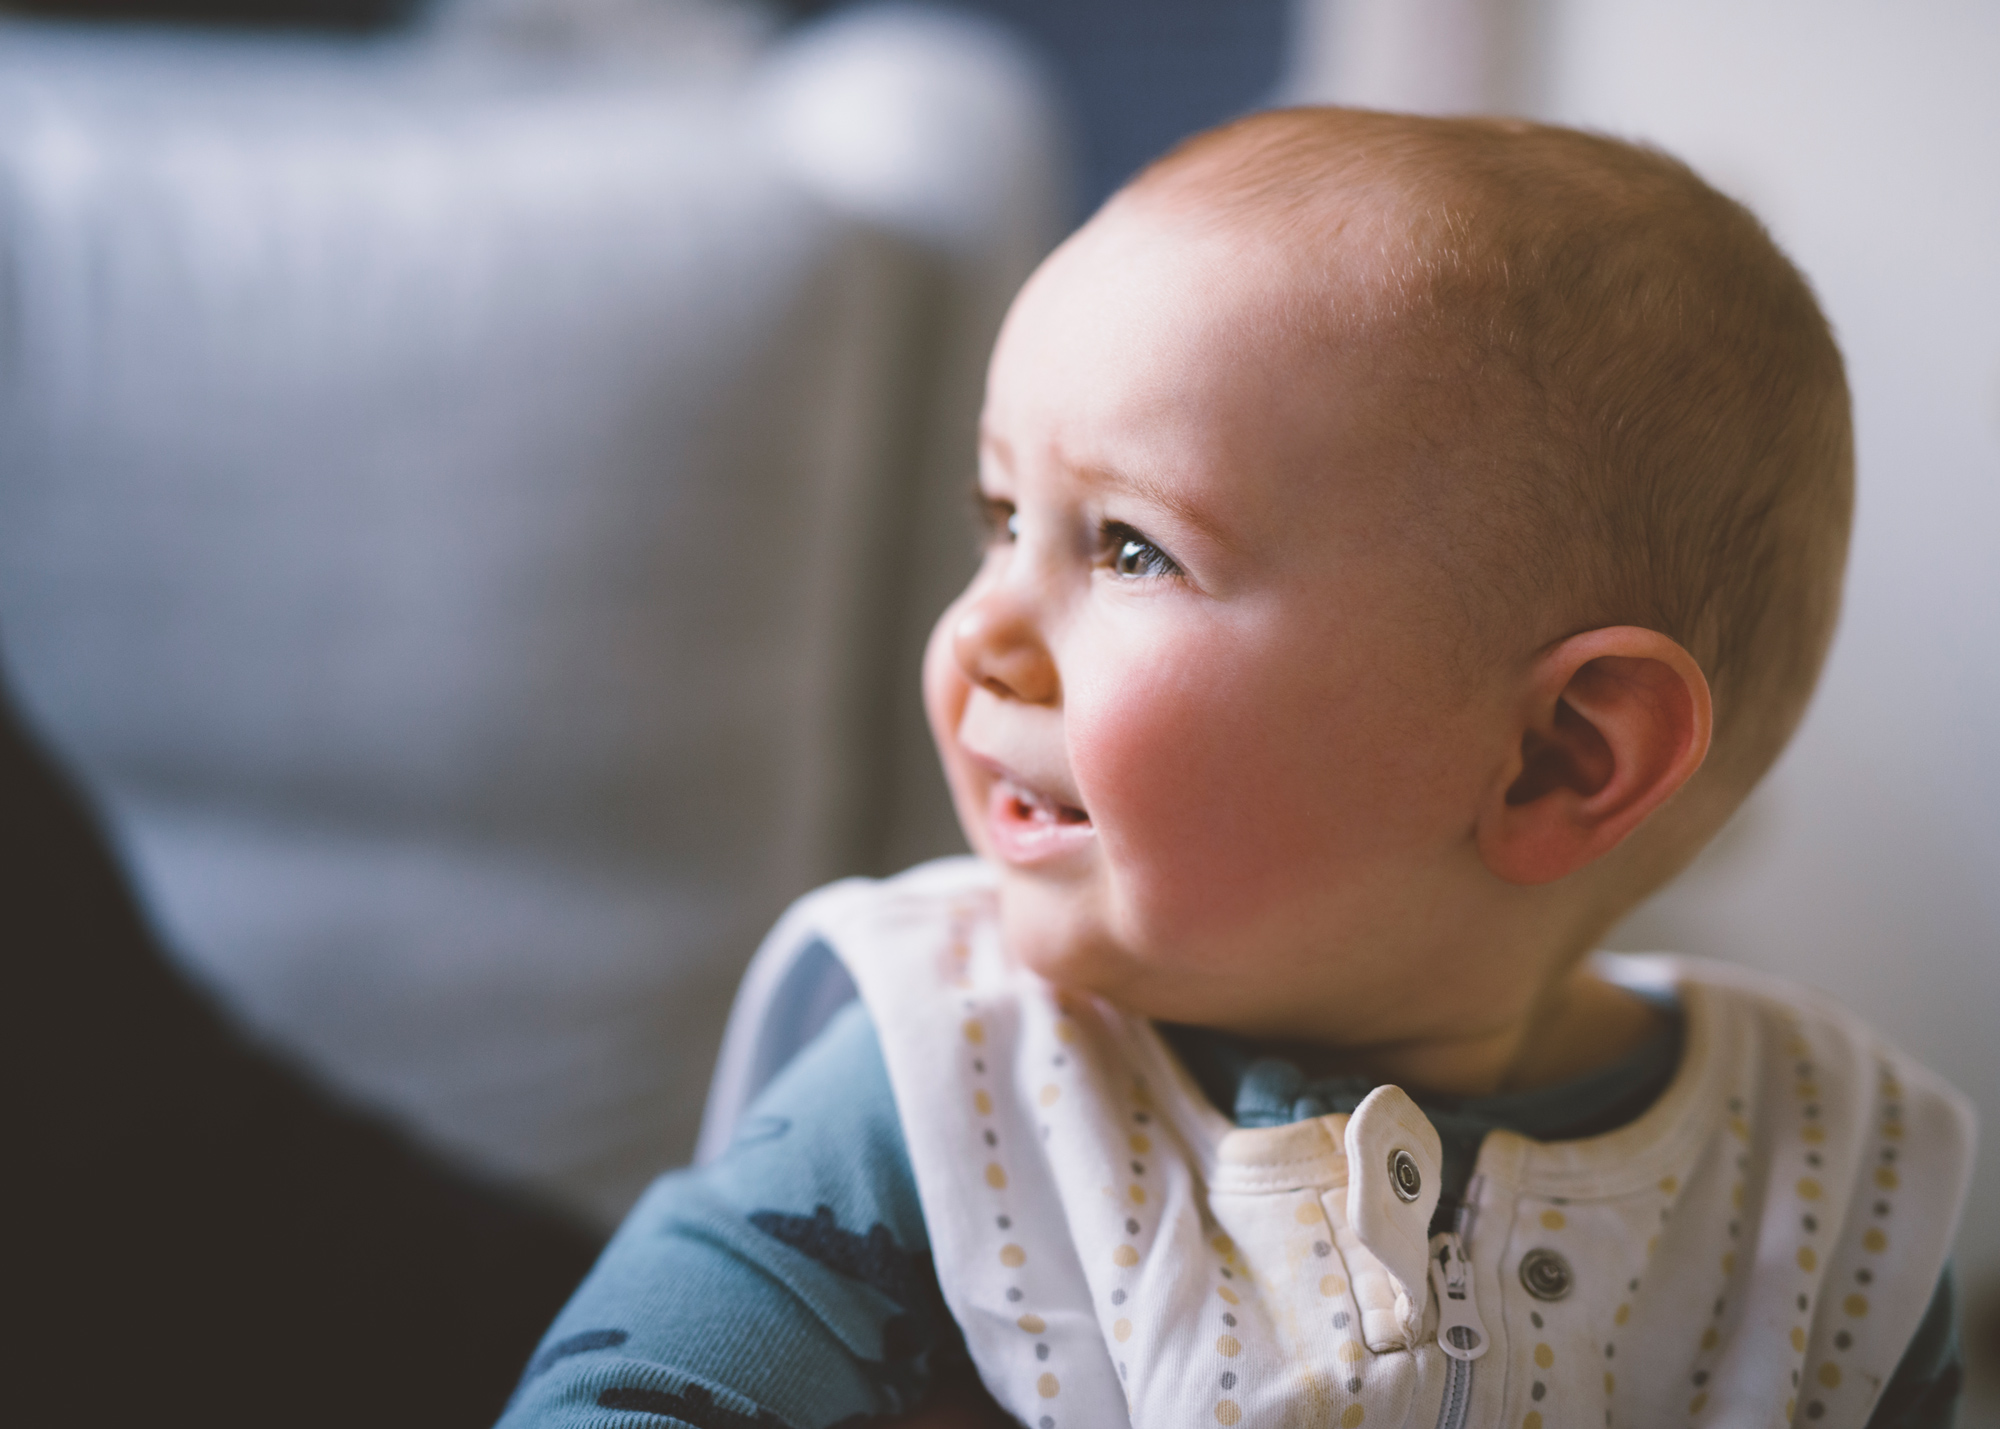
1064	933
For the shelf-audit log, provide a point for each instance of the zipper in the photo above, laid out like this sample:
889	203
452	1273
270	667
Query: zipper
1461	1334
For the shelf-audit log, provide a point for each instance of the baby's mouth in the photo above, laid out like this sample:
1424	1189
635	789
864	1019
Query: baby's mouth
1028	827
1025	806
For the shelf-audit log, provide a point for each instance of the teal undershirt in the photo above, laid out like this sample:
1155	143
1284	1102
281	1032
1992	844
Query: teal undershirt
790	1283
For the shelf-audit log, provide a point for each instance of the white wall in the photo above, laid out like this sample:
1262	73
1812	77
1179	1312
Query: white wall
1868	137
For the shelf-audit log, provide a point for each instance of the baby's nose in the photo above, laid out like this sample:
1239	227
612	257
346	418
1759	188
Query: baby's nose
1000	649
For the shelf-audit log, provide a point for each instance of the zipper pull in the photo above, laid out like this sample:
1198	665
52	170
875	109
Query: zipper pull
1460	1333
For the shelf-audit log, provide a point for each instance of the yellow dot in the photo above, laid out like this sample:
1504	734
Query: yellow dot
1893	1130
1544	1356
1806	1091
1739	1128
1736	1195
1140	1143
995	1176
1533	1421
1050	1093
1829	1374
1855	1305
1892	1089
1011	1255
1807	1260
1623	1313
1670	1184
1791	1408
1223	1245
1137	1193
1352	1416
1229	1347
1065	1030
1226	1412
1709	1338
1875	1240
1700	1402
1307	1213
1729	1262
1554	1220
1813	1134
982	1102
1332	1285
1126	1256
1048	1386
1610	1382
975	1033
1885	1177
1226	1293
1122	1331
1799	1338
1795	1046
1033	1324
1350	1351
1808	1189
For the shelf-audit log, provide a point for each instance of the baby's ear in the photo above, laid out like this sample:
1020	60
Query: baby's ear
1615	721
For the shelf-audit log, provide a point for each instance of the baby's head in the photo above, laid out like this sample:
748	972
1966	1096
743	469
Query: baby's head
1389	518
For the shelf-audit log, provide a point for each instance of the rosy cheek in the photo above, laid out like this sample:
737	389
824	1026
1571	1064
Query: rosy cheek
1203	811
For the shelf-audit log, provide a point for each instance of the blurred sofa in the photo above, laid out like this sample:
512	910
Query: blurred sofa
470	504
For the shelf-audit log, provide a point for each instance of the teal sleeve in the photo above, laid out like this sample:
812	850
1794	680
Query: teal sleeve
787	1284
1923	1392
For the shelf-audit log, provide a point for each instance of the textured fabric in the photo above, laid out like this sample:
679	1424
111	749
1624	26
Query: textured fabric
1783	1210
794	1164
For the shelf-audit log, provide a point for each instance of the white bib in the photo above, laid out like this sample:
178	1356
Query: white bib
1756	1249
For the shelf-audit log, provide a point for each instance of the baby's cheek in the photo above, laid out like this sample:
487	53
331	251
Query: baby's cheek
1205	817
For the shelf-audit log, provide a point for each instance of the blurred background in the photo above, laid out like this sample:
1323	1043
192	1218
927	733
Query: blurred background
475	478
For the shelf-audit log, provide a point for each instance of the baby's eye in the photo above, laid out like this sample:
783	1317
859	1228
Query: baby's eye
1133	555
998	520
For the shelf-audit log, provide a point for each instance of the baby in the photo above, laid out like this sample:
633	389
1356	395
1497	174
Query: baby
1408	541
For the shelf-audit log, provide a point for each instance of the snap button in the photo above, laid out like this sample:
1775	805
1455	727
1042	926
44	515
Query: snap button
1545	1274
1404	1176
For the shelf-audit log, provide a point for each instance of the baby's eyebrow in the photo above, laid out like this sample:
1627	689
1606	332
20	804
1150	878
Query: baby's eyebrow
1159	493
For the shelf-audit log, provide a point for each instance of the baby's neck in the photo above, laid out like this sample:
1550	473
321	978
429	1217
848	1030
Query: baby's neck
1582	1025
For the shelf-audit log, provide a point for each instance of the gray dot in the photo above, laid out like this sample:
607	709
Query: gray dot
1535	1318
1888	1153
1865	1275
1138	1169
1803	1302
1131	1227
1005	1222
1229	1379
1354	1385
1611	1351
1121	1369
1538	1391
1812	1158
1812	1110
1700	1378
1141	1117
1046	1422
1815	1410
1719	1304
1041	1352
1228	1319
1735	1230
1322	1249
1795	1379
1881	1208
1339	1319
1118	1297
991	1139
1227	1273
1061	1061
978	1066
1632	1285
1014	1293
1842	1340
1811	1223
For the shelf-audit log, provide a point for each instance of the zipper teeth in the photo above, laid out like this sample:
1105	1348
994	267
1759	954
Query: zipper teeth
1457	1395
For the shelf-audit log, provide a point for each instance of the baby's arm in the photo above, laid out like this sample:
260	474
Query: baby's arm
789	1283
